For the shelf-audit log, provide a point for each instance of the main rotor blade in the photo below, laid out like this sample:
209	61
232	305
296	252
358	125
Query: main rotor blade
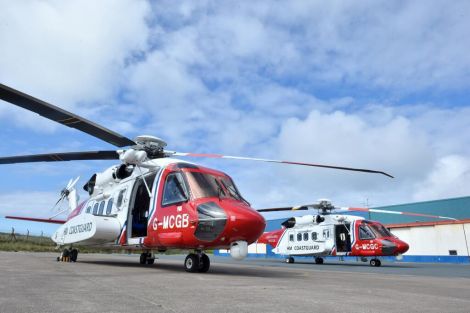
57	157
219	156
62	116
296	208
395	212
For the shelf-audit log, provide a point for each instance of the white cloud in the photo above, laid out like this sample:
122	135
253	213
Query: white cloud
450	177
404	46
68	53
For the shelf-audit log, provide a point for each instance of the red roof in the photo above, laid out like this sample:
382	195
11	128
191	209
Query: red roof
433	223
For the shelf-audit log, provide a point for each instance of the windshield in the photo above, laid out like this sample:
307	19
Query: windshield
232	189
380	230
205	185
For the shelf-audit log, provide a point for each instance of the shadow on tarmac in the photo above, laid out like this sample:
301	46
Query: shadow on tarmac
216	269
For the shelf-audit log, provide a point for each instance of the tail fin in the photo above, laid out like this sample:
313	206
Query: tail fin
271	238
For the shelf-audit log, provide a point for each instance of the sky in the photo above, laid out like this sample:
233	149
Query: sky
373	84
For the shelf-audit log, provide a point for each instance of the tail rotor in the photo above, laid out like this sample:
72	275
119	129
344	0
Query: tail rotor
70	194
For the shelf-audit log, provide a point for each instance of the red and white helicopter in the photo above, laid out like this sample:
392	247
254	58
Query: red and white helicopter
331	233
149	201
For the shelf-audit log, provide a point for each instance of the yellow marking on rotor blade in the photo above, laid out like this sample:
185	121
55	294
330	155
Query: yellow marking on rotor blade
70	120
55	157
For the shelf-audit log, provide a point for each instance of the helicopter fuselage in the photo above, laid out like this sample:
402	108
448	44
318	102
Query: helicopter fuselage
162	204
334	235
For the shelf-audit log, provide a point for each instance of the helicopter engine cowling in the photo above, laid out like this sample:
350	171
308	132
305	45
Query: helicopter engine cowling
100	181
303	220
132	156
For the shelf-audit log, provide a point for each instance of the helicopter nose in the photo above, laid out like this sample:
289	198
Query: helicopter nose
402	247
246	224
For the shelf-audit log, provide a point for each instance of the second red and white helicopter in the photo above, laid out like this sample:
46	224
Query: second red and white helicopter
331	232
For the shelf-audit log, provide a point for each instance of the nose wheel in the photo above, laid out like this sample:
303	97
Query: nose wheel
375	262
290	260
197	262
318	260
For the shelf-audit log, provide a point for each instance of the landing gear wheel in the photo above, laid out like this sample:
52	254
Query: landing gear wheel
150	260
375	262
318	260
191	263
65	256
73	255
204	263
143	258
290	260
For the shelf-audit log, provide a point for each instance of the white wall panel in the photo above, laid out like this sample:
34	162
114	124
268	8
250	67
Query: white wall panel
435	240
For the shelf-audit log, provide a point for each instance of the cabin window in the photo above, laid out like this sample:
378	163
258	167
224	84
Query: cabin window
174	191
109	207
95	208
299	237
365	233
326	233
120	198
291	237
88	210
314	236
452	252
305	236
100	212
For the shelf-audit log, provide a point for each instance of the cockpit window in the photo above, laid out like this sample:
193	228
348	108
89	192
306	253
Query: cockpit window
380	230
174	191
232	189
365	232
203	185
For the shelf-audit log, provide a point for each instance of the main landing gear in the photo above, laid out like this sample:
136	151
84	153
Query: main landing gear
318	260
68	255
197	262
375	262
147	258
290	260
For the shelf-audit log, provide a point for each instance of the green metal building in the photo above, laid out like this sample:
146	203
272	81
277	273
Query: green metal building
458	208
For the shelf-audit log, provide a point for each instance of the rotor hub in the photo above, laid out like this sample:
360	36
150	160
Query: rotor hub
152	145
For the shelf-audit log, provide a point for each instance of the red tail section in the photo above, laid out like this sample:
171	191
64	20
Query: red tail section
272	237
